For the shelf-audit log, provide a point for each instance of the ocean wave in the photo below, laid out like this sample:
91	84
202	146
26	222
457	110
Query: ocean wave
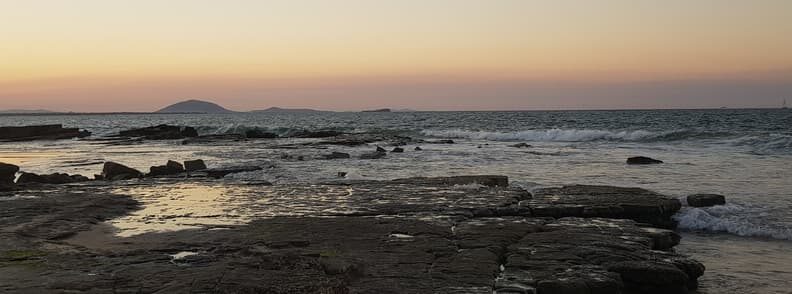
771	143
732	219
565	135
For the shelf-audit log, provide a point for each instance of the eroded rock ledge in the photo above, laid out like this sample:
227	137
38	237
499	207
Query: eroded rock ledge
407	236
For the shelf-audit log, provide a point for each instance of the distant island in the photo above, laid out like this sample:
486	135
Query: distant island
378	110
194	106
278	109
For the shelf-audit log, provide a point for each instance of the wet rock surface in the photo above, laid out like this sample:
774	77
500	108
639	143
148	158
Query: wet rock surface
115	171
421	235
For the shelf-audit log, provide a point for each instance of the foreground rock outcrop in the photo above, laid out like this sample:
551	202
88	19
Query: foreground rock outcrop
42	132
419	235
705	200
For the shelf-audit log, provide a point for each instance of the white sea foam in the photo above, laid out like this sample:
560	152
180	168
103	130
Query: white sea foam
549	135
732	219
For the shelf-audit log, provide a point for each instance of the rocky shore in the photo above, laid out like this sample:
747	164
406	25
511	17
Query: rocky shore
471	234
183	227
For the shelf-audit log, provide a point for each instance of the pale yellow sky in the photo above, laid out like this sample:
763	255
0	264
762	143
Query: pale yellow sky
108	55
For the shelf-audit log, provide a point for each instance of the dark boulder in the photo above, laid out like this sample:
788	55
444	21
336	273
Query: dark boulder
337	155
8	173
259	134
114	172
161	132
218	173
417	148
194	165
171	168
380	149
398	150
316	134
342	174
55	179
706	200
643	160
42	132
372	155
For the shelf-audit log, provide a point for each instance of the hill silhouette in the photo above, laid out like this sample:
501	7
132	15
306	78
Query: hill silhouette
194	106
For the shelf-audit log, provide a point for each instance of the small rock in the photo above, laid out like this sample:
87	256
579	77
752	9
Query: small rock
642	160
342	174
444	141
222	172
114	171
417	148
175	166
521	145
706	200
194	165
398	150
380	149
337	155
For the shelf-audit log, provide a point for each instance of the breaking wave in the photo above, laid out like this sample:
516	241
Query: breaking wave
732	219
569	135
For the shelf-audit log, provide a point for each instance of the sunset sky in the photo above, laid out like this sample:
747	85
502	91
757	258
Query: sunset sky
112	55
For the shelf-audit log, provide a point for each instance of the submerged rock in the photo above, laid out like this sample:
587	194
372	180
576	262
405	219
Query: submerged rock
521	145
222	172
706	200
397	150
316	134
484	180
380	149
417	148
114	172
209	139
372	155
56	178
337	155
443	141
40	132
194	165
643	160
259	134
161	132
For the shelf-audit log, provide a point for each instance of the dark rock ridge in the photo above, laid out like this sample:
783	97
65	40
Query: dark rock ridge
116	172
397	150
405	236
42	132
161	132
706	200
55	179
484	180
643	160
194	106
521	145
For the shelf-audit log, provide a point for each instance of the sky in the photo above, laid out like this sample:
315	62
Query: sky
113	55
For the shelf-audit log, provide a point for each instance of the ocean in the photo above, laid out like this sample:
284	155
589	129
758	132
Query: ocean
744	154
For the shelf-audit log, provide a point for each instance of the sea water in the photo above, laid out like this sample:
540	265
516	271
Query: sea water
744	154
